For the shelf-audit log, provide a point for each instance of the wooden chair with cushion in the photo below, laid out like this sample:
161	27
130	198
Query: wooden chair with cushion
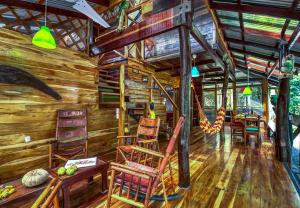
71	136
49	198
252	128
237	128
143	173
146	135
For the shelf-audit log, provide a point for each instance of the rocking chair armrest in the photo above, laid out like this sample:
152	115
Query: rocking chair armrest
127	136
131	170
147	151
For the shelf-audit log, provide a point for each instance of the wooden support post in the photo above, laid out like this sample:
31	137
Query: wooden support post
282	139
175	111
265	98
216	97
122	101
234	98
90	35
192	109
225	87
185	103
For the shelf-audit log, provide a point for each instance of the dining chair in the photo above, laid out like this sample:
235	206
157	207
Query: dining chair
71	137
237	128
252	128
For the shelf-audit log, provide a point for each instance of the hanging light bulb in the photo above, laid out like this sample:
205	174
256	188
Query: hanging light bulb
43	38
247	91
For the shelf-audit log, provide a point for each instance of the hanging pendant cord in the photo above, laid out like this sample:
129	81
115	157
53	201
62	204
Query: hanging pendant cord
46	13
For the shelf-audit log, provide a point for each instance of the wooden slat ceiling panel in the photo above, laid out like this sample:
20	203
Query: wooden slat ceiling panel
256	35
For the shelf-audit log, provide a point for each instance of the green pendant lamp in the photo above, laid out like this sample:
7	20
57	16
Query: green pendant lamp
195	71
247	91
43	38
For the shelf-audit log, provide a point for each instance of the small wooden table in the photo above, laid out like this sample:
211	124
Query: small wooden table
22	194
82	174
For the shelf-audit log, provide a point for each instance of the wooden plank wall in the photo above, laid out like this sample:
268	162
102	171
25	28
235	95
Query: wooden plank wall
26	111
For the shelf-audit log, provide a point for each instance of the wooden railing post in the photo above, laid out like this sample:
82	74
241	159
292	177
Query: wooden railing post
234	97
122	102
265	97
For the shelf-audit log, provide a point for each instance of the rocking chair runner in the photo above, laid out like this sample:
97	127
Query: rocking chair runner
71	136
142	173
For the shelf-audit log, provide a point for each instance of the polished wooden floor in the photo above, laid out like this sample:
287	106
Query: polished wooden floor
230	175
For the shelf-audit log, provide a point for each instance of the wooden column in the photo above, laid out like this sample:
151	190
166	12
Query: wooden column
225	87
185	102
90	35
282	139
122	101
265	97
234	97
216	97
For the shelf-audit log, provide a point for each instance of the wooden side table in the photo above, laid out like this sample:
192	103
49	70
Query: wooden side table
23	194
82	174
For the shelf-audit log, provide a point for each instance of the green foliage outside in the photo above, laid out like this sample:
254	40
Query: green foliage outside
295	95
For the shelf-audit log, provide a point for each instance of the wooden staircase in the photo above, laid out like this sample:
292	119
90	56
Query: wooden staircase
109	87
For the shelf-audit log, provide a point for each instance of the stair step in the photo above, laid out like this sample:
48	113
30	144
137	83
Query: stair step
108	81
109	87
110	93
105	76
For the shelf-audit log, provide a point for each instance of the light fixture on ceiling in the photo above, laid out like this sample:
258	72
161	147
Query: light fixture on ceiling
195	71
43	38
247	91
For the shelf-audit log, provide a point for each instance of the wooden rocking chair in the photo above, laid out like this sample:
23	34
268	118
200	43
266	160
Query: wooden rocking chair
146	135
142	173
71	136
49	197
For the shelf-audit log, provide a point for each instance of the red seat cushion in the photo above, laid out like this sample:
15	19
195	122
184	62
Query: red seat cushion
134	180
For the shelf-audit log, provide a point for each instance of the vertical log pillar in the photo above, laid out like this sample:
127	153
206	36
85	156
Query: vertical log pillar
265	97
90	35
185	103
225	87
234	97
282	139
122	101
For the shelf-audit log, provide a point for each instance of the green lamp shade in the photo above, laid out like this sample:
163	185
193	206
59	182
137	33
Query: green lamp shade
195	72
44	39
247	91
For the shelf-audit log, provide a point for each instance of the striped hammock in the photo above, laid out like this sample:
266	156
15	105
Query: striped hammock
204	123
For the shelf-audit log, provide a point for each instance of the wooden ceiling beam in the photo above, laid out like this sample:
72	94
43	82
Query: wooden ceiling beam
268	58
198	63
41	8
248	43
261	10
203	42
100	2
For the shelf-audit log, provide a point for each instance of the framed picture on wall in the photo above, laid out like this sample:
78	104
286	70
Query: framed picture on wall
145	78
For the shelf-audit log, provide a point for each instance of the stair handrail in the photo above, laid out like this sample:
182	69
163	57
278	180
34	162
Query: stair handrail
164	91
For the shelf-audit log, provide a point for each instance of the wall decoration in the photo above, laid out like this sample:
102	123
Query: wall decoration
13	75
145	78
